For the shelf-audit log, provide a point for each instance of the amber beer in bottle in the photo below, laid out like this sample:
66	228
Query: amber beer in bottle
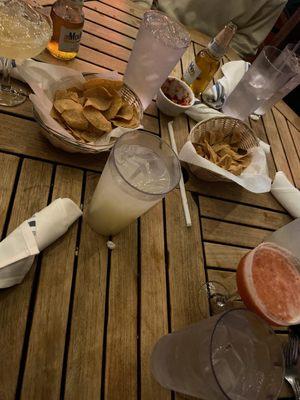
68	20
202	70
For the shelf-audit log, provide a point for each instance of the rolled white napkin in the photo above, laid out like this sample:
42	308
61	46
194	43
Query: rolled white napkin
200	112
233	72
286	194
18	249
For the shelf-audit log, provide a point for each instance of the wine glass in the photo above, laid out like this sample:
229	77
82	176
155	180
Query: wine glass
25	30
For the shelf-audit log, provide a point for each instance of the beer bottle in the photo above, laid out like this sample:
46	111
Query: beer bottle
201	70
68	20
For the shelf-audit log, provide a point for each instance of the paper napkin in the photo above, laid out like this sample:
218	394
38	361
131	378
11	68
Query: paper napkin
286	194
19	248
233	72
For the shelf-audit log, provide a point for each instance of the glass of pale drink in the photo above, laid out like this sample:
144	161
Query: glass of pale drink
25	31
159	45
270	71
230	356
140	171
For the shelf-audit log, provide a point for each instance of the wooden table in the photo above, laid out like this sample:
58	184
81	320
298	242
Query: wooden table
84	321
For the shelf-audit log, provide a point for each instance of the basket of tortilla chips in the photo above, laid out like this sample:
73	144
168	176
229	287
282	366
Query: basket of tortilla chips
223	149
90	115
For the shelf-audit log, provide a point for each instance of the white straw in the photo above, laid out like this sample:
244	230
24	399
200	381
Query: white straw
181	182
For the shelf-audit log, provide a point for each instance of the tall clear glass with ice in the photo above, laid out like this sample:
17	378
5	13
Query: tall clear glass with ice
160	43
270	71
139	172
231	356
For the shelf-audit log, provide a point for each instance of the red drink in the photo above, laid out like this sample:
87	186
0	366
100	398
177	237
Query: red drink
268	280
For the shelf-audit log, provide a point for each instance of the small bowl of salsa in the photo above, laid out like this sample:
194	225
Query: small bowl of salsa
174	97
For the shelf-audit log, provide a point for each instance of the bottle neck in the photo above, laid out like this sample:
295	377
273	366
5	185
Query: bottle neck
216	50
219	45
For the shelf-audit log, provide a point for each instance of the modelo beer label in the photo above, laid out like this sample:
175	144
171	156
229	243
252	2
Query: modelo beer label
69	39
191	73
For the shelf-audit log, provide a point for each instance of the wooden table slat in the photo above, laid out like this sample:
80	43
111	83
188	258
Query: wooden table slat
276	145
154	312
234	234
103	32
241	214
114	12
85	349
121	346
288	145
33	144
223	256
109	22
44	362
233	192
32	195
104	46
185	266
127	6
8	167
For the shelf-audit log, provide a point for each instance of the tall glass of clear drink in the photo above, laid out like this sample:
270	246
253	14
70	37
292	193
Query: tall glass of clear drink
160	43
268	73
231	356
140	171
25	30
291	84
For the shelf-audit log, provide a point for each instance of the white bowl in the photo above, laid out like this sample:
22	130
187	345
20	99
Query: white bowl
174	87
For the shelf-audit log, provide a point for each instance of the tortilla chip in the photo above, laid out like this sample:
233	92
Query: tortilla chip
76	133
199	149
236	169
225	161
106	83
62	105
75	119
91	135
75	89
115	106
125	112
97	119
212	155
133	123
99	103
98	91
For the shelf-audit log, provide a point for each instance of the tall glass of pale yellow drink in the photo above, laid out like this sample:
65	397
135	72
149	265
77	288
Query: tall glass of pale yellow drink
140	171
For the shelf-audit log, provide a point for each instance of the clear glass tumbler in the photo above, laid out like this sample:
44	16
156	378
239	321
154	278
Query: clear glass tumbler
268	73
231	356
160	43
291	84
140	171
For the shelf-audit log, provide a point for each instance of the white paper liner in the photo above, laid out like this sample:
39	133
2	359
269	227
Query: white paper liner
254	178
44	79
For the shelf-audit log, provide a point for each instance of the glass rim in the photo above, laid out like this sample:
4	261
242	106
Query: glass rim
176	22
272	62
158	139
224	314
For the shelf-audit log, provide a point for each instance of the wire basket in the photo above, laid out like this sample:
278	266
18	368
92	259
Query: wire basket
226	125
72	145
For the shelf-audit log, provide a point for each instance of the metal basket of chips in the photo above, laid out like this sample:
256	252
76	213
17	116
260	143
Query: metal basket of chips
224	141
92	117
